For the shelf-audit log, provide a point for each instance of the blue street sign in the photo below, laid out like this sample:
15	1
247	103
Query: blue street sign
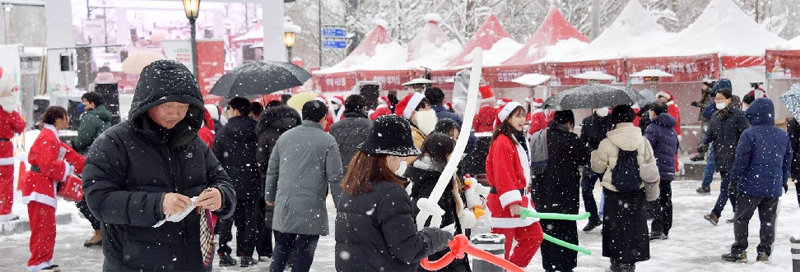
334	32
334	44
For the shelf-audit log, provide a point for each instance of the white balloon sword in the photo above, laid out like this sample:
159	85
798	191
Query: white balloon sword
429	207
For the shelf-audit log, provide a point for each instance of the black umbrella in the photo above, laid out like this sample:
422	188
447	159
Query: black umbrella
593	96
257	78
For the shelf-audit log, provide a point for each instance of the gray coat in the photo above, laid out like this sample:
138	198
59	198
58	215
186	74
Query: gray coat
303	163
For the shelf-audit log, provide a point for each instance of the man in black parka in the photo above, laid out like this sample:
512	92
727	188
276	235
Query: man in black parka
148	167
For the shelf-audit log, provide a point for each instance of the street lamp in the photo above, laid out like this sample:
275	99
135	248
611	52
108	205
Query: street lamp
192	7
289	32
228	27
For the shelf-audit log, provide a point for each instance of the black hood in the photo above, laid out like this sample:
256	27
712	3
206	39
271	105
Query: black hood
279	117
168	81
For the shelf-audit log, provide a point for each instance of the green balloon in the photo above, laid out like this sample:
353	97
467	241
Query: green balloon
566	244
525	213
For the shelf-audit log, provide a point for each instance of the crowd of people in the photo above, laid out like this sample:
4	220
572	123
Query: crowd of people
161	185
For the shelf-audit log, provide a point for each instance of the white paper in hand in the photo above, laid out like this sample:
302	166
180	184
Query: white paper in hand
178	216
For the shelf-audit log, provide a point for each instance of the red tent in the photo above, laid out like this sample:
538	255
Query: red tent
430	36
490	33
254	35
553	29
375	37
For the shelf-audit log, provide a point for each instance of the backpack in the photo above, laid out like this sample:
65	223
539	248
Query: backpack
539	155
625	175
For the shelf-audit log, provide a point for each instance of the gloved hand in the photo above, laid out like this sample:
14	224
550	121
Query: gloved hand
702	148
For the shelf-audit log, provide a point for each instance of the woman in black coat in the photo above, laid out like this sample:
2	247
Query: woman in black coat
375	229
794	137
558	190
424	174
272	123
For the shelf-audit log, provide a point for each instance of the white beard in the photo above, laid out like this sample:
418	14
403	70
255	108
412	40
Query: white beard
9	103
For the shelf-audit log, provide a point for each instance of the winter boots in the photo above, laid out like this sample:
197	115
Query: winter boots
713	218
226	260
703	191
734	257
622	267
657	235
96	240
763	257
248	261
52	268
591	225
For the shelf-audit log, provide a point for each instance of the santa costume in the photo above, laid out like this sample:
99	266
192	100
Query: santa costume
382	109
337	106
508	173
328	116
207	131
537	117
52	162
10	123
484	120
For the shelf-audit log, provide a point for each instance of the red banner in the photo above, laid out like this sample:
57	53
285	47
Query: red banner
210	64
562	72
783	64
729	62
390	80
502	76
336	82
684	69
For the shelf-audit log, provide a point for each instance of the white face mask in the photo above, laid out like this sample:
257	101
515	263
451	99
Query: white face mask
401	170
426	121
602	112
721	105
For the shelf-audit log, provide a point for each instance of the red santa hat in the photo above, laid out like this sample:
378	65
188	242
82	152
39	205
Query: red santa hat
209	122
506	110
408	105
502	102
538	102
322	99
486	91
666	94
383	101
529	99
338	100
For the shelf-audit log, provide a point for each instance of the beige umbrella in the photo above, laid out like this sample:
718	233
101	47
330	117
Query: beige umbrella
137	60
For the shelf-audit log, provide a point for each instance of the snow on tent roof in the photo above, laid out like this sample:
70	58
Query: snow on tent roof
490	33
431	47
725	29
255	34
634	33
553	29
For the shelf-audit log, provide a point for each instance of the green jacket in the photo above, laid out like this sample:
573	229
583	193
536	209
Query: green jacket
93	122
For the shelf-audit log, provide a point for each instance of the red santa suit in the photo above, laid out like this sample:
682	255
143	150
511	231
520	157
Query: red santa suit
382	109
10	123
52	161
538	118
484	120
508	173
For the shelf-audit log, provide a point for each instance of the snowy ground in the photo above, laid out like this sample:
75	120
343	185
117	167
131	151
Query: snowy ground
694	244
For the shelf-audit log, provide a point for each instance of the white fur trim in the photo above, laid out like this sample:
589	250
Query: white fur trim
526	166
510	197
416	98
7	161
40	266
512	222
536	104
321	99
66	171
483	134
44	199
507	109
53	129
671	102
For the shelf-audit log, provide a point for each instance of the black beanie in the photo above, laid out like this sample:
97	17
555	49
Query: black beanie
563	117
314	110
622	114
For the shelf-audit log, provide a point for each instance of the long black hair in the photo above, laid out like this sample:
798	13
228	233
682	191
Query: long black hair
437	146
